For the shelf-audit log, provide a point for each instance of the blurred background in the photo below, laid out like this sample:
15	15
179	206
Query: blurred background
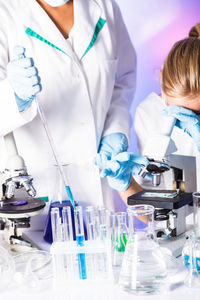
154	26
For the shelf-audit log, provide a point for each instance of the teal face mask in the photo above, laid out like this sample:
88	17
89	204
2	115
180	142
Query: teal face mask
55	3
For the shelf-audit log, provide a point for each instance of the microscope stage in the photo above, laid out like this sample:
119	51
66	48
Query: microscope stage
21	206
167	199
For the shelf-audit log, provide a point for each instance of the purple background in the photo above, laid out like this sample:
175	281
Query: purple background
154	26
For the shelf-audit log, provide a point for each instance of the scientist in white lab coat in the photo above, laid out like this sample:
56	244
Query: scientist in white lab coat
180	83
77	58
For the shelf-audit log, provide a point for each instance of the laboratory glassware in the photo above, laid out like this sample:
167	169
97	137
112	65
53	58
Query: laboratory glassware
191	249
56	224
32	270
103	223
80	239
193	237
61	224
106	223
7	268
143	267
89	259
57	198
196	205
120	238
53	148
67	231
192	262
92	223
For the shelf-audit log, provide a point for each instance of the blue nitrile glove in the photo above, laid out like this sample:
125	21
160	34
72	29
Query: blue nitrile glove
23	77
120	168
186	120
111	144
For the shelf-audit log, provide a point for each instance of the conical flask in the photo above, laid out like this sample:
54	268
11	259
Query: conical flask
143	267
120	238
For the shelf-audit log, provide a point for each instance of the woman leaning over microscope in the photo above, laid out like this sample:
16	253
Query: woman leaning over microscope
180	84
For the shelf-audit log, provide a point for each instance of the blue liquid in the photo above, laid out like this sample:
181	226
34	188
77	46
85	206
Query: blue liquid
81	258
186	260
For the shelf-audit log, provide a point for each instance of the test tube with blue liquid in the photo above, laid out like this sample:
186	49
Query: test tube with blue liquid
80	239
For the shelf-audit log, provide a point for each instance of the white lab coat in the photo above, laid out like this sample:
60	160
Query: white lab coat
84	98
148	121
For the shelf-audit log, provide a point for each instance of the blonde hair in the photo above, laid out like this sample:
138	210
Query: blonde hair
181	71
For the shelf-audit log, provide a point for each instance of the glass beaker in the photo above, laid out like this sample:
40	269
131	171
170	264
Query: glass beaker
143	267
120	238
58	198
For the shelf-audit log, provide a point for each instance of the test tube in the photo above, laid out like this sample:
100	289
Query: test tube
67	224
78	216
56	224
92	223
102	222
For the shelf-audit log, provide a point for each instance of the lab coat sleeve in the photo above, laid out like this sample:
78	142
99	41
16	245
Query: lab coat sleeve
141	128
118	119
10	118
142	134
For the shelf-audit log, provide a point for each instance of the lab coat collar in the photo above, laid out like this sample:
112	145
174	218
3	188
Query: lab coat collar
86	16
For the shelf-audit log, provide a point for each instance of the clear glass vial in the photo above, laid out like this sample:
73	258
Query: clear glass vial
143	267
120	238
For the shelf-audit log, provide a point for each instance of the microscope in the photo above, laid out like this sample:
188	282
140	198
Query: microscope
172	206
17	199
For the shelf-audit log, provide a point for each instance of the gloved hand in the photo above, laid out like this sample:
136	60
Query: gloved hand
23	77
111	144
120	168
186	120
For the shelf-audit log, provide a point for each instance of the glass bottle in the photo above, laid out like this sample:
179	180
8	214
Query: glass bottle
120	238
143	267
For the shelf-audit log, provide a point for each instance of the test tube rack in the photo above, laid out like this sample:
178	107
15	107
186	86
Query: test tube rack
97	258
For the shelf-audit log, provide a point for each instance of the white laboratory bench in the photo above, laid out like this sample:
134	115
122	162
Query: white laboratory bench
176	290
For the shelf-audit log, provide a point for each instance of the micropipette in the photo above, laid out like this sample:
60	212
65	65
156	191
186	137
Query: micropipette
51	143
